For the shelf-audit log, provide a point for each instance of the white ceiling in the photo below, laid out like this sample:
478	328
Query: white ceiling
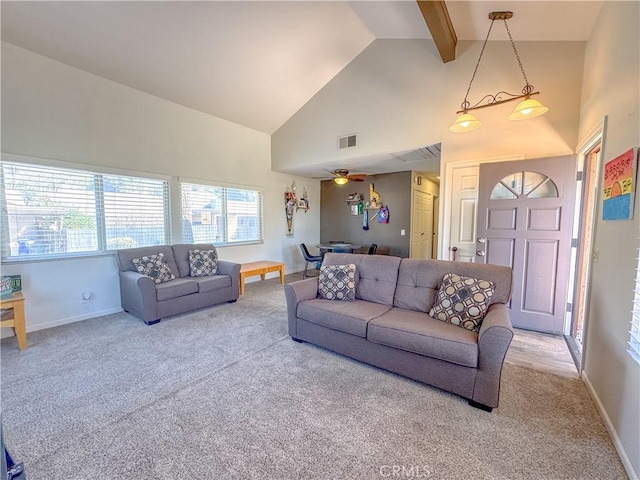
253	63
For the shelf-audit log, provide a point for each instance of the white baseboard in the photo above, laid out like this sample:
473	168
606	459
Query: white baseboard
8	332
628	466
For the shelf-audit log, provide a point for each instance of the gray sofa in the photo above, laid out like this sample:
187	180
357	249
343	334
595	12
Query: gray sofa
388	325
151	302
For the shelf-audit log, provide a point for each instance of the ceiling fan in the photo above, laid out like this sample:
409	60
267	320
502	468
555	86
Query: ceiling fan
341	176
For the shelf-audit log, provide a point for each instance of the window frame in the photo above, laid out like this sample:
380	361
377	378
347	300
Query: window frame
224	205
634	332
96	172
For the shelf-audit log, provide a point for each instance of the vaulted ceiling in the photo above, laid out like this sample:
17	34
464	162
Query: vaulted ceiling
252	63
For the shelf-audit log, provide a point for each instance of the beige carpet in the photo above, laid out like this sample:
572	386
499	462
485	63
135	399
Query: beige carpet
224	393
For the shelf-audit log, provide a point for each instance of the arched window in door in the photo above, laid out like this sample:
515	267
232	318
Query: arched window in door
524	184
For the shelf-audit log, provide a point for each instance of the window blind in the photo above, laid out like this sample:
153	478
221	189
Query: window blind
221	215
136	211
634	339
50	211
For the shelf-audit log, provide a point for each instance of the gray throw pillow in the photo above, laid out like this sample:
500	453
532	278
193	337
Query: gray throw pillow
337	282
463	301
203	263
155	267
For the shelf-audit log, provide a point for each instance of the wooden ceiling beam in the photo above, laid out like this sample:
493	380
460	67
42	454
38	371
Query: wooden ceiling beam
436	16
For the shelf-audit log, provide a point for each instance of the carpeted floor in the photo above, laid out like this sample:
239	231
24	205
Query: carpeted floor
225	393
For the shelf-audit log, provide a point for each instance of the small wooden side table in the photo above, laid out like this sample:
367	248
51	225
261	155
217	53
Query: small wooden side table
16	302
260	268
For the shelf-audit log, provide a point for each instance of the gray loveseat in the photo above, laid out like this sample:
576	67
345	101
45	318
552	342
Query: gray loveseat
388	325
151	302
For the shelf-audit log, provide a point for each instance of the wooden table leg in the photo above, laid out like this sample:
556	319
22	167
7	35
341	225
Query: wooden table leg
241	284
18	324
281	270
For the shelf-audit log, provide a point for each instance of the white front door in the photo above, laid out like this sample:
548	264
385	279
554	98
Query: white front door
464	200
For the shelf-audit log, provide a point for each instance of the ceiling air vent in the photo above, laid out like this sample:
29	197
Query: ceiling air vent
347	141
431	152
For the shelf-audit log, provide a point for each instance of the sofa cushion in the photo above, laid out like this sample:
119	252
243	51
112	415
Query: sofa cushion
176	288
419	281
155	267
337	282
418	333
203	263
462	301
181	254
214	282
348	317
125	256
376	275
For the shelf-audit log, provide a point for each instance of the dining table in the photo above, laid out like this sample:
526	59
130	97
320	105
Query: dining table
341	247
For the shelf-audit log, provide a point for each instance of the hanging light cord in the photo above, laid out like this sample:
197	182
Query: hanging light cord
528	88
465	103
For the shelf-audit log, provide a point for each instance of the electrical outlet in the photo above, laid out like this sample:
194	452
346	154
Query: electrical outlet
595	255
402	232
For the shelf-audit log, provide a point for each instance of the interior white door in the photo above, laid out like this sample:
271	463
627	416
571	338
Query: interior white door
464	200
525	220
422	225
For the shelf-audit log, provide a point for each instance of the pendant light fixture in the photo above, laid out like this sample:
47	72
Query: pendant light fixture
527	108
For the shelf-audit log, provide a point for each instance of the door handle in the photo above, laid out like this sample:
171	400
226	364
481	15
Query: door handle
480	253
482	240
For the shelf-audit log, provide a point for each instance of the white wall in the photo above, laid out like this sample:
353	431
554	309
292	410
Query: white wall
611	87
54	111
398	95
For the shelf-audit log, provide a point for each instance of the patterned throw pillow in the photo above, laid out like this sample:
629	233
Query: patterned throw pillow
463	301
154	267
337	282
203	263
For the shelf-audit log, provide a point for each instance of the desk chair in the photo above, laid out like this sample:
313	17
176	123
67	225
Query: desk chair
308	258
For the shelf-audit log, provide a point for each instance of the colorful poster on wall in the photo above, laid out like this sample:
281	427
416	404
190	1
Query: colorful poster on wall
620	186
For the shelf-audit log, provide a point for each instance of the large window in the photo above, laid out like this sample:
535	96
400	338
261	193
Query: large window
49	211
220	215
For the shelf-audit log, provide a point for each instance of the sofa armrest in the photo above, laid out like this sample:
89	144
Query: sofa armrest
497	316
494	339
138	295
296	292
233	270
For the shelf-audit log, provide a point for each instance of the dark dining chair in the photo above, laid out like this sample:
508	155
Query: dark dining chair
372	249
308	258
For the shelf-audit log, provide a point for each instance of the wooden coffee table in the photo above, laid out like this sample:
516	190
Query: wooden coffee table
260	268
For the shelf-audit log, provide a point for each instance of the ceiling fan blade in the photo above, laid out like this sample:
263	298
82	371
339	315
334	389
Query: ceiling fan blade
358	177
340	172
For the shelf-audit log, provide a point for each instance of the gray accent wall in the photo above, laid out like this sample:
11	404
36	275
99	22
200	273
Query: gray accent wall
337	223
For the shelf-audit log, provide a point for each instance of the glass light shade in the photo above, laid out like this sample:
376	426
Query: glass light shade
341	180
465	123
528	108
